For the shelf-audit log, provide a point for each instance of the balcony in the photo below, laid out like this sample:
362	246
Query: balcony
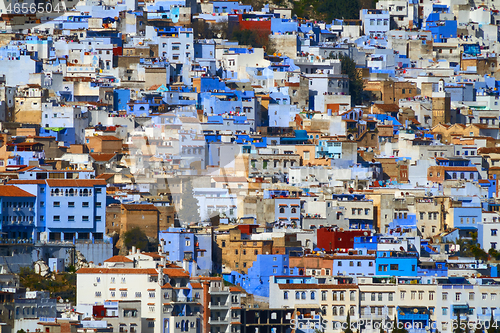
219	305
218	321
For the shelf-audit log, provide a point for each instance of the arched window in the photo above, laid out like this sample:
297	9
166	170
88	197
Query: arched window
313	295
297	295
351	311
282	210
471	176
303	295
334	311
454	175
462	175
294	210
341	311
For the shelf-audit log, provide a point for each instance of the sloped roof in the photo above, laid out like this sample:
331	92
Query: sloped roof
13	191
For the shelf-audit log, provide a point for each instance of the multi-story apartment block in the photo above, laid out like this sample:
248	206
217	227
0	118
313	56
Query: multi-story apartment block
67	209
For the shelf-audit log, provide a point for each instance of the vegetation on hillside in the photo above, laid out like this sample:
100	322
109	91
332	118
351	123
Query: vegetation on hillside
59	285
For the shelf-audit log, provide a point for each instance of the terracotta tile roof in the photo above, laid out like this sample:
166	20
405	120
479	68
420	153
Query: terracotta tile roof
388	107
150	271
208	278
105	176
456	168
118	259
196	285
167	286
75	182
234	289
154	255
13	191
106	138
173	272
492	150
317	286
140	207
102	157
26	181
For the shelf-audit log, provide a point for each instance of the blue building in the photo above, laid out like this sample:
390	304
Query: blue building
256	281
67	209
413	317
395	263
180	245
17	214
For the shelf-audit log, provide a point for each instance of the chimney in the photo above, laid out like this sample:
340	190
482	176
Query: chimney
133	250
185	265
194	269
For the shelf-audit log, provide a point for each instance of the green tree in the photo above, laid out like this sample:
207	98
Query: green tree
348	322
492	327
135	237
356	84
338	9
189	211
21	331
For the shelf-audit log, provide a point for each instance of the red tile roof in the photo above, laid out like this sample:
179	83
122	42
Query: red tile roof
13	191
107	138
118	259
75	182
196	285
150	271
139	207
173	272
62	182
102	157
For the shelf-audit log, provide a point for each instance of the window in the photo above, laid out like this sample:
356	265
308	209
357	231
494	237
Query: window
394	267
57	204
85	218
380	297
71	218
303	295
152	294
413	294
57	218
402	295
484	296
285	295
313	295
123	294
97	294
391	297
372	297
85	204
323	295
431	295
445	296
297	295
445	311
458	296
71	204
420	295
